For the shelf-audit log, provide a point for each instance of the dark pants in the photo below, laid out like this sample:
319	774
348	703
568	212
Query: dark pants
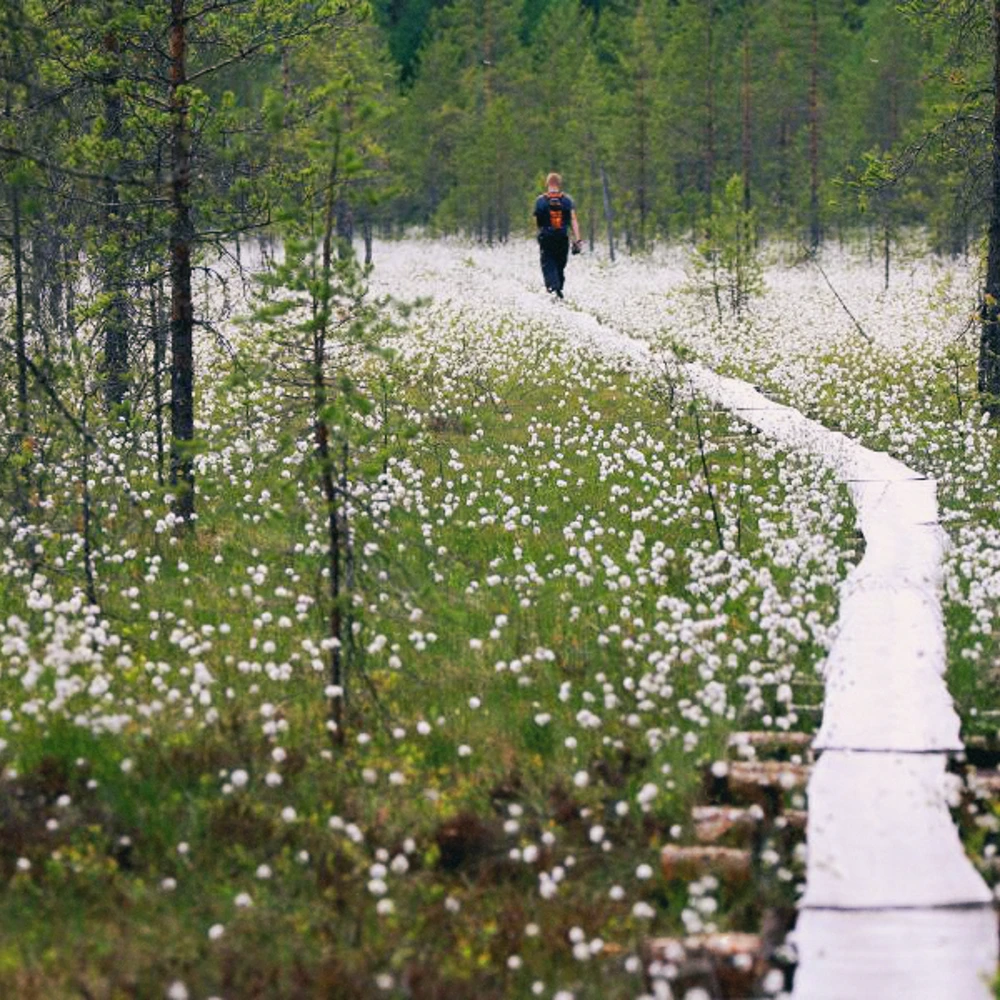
554	248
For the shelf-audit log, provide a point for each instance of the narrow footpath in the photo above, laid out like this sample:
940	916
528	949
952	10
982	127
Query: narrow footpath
893	908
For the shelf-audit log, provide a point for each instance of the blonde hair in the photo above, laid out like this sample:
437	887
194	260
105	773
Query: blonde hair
553	181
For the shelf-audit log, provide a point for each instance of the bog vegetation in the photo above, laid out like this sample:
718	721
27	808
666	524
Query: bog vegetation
368	631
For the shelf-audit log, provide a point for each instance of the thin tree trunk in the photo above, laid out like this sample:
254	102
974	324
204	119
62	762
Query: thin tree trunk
989	340
34	261
608	214
57	291
815	231
746	94
37	289
86	510
21	436
710	108
321	435
367	231
888	197
116	315
68	276
158	327
344	223
641	192
286	80
783	171
592	220
347	545
20	344
716	516
782	155
181	303
886	250
158	332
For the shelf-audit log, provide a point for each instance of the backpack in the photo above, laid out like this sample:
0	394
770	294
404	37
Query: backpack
558	210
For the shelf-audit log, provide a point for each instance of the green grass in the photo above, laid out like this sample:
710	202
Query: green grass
144	801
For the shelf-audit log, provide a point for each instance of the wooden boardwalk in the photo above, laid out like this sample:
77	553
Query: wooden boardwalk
893	908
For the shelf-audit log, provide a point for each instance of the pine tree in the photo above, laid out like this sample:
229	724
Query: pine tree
638	106
237	30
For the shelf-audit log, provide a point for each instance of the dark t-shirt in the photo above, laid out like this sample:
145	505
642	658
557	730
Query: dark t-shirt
551	217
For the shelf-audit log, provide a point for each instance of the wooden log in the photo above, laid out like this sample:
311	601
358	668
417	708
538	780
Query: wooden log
712	823
772	737
977	741
774	742
725	945
731	964
746	776
728	864
984	782
747	782
796	819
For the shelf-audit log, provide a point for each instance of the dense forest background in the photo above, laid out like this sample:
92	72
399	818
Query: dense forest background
139	141
649	110
448	113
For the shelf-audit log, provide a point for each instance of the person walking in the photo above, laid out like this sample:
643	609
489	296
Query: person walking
555	213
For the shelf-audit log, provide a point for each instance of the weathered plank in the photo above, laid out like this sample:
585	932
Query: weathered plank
892	907
880	835
904	954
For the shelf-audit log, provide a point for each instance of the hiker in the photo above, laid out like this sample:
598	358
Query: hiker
554	213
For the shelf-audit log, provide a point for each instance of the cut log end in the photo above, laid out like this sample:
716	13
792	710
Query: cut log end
729	864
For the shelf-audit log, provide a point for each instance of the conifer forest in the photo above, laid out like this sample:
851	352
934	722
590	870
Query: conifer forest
375	623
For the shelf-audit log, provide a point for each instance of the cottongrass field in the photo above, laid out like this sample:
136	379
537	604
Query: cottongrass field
572	580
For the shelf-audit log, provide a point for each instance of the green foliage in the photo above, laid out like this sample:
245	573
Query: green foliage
672	99
727	262
162	824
